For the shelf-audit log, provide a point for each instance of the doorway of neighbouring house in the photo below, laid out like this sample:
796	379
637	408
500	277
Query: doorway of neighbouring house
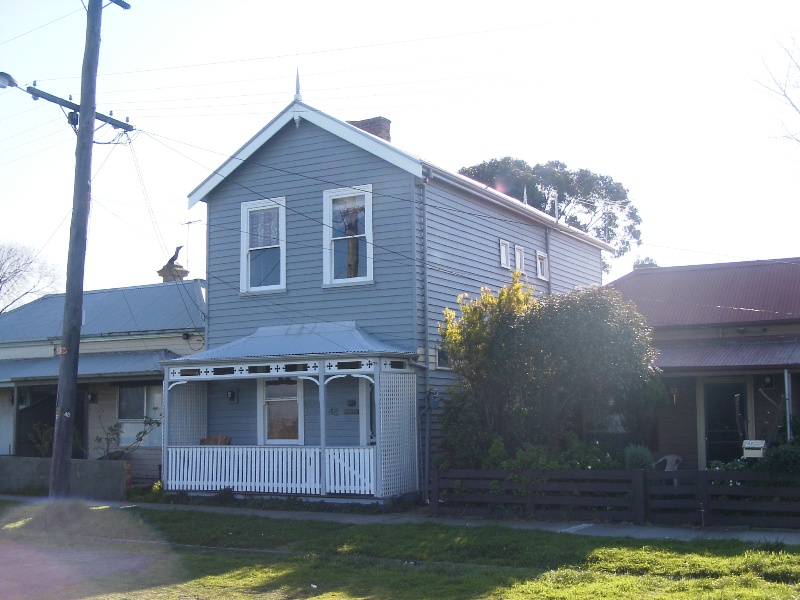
726	420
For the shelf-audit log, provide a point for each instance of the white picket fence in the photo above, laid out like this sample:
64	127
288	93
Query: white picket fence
270	469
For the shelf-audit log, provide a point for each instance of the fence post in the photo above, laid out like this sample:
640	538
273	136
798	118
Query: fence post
639	496
434	483
530	494
702	497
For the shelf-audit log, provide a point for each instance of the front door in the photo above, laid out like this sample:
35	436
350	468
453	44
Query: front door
726	420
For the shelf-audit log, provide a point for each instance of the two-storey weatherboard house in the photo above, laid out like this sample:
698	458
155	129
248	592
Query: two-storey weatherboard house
331	256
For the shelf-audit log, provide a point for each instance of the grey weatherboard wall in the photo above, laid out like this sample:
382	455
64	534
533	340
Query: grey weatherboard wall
299	164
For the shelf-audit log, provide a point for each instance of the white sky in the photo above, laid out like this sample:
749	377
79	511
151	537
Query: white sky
667	99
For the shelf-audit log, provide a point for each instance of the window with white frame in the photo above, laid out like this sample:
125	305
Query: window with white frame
519	258
134	403
347	235
542	267
263	258
505	254
283	412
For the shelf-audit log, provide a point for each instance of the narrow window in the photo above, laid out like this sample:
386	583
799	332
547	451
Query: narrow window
134	403
542	268
519	258
442	359
283	412
505	251
347	235
263	260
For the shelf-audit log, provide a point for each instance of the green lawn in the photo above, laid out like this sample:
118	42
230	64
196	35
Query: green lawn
71	551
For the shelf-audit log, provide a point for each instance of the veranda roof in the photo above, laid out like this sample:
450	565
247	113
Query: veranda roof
89	365
307	339
729	355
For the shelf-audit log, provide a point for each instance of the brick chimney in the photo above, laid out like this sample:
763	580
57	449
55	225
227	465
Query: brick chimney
377	126
172	272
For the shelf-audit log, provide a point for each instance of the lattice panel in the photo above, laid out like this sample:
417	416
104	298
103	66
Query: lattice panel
188	414
398	434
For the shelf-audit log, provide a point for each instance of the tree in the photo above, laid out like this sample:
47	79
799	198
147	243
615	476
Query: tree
530	365
23	275
786	85
644	263
588	201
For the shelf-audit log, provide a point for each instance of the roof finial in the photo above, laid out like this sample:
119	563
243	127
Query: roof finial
297	98
525	194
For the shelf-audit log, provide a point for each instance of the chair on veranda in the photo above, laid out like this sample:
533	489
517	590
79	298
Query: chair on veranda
671	462
216	440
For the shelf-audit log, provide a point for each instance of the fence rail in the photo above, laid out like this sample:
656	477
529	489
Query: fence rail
687	497
271	469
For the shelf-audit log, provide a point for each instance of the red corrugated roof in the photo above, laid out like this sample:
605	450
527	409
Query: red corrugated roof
745	292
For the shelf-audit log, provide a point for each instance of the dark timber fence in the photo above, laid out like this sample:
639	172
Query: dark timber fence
677	497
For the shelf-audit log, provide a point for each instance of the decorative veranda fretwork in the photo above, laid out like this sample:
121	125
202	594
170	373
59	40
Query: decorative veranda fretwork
336	365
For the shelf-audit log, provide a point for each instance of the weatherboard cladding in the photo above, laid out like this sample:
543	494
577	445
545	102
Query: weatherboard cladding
299	164
572	264
89	365
743	292
164	307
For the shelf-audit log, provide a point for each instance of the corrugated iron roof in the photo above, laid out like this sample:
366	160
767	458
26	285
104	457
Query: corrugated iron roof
744	292
720	355
173	306
89	365
310	339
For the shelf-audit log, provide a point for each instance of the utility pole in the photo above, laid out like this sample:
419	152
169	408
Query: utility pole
76	259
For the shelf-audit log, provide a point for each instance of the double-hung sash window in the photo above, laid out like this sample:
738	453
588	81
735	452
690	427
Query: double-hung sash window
347	235
519	258
505	258
134	403
542	266
282	416
263	260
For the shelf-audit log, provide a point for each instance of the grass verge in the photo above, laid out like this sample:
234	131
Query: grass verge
189	554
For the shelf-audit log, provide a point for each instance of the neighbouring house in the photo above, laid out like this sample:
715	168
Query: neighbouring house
331	256
125	335
728	337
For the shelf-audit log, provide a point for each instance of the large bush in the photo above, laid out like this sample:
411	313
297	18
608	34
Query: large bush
530	365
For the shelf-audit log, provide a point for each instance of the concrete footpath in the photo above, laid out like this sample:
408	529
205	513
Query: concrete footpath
644	532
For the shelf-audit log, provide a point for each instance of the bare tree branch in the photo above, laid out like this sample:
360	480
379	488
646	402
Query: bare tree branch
786	89
24	275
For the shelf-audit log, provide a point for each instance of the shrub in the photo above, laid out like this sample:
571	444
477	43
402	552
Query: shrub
638	457
575	455
781	460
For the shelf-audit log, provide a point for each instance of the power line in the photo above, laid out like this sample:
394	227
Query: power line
16	37
325	51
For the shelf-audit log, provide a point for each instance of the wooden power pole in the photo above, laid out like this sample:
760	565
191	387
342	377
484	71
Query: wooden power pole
73	300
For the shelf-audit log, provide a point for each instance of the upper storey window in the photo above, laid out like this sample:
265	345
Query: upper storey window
263	260
347	235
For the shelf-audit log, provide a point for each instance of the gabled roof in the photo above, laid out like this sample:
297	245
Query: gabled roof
300	110
163	307
414	165
716	294
309	339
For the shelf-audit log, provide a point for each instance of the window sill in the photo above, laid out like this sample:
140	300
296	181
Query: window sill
339	284
262	292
